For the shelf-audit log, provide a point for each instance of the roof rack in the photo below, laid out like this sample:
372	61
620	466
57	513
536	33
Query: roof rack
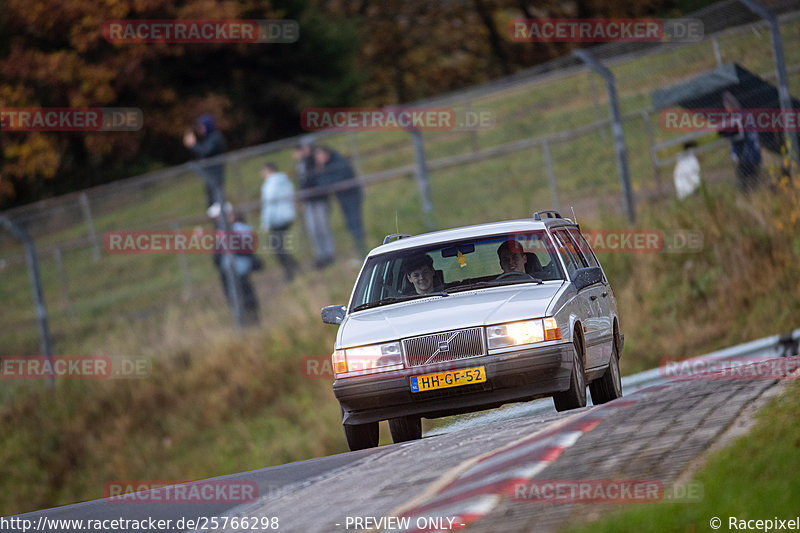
397	236
548	214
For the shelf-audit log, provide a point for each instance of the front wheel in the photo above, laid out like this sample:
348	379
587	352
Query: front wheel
575	396
405	428
361	436
609	386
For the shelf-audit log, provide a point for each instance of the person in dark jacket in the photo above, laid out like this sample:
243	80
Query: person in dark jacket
745	147
316	205
332	168
207	143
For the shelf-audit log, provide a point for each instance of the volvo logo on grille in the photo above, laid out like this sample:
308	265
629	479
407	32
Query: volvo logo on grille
444	346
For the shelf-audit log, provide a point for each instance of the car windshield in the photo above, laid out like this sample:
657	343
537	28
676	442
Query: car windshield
445	268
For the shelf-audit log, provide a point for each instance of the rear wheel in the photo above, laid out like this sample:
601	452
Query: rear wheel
609	386
575	396
405	428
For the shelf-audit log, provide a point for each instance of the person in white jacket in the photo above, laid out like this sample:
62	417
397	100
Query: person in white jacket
687	171
277	215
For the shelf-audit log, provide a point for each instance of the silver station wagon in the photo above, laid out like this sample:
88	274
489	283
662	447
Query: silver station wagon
472	318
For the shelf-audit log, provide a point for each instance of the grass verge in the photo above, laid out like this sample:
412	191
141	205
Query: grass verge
752	479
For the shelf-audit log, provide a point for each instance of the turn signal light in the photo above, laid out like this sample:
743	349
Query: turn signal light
551	330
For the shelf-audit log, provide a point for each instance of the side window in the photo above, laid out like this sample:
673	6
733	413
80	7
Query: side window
392	279
569	253
584	247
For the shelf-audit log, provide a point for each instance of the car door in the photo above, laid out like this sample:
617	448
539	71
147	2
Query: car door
586	299
604	317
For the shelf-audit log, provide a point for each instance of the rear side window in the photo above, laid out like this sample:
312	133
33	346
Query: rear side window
584	247
569	252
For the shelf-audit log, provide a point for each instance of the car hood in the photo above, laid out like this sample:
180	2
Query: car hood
459	310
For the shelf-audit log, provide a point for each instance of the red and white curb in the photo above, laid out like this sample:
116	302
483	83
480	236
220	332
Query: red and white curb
483	482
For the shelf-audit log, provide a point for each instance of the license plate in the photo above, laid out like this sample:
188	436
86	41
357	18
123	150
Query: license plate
451	378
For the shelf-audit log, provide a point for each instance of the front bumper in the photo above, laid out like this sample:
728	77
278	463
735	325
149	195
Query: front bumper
520	375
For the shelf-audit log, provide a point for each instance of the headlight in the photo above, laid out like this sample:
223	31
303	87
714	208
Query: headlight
525	332
367	358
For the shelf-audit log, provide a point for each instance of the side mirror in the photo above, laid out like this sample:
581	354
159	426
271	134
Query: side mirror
333	314
583	277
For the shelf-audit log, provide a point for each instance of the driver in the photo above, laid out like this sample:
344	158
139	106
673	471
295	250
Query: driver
512	257
419	271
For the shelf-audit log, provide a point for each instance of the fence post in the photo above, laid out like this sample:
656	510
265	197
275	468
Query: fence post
551	177
423	182
62	277
36	288
780	69
616	129
87	216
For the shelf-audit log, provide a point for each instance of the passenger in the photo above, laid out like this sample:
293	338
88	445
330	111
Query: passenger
419	271
512	257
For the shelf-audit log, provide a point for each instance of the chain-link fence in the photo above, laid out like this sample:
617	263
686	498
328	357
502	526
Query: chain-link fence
551	145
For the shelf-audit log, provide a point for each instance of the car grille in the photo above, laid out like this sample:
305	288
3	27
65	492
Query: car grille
445	346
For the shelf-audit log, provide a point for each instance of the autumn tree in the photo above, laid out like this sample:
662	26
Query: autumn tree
53	54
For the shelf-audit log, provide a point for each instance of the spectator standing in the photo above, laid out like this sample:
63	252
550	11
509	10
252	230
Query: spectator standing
745	148
277	215
315	205
208	142
243	265
332	168
687	171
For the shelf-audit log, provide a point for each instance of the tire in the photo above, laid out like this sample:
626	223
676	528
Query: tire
575	396
361	436
405	428
609	386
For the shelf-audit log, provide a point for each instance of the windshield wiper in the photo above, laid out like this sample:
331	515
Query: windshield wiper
395	299
493	283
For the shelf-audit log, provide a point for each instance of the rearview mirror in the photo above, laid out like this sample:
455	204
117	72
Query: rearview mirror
333	314
583	277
